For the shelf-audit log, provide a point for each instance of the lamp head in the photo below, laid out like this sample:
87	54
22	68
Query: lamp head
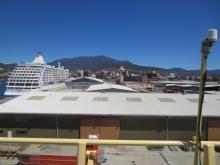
212	35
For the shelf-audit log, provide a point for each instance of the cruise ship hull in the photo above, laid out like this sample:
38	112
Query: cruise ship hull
35	76
12	93
18	92
2	88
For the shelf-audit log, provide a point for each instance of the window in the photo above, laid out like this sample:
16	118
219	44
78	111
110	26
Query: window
133	99
21	132
69	98
166	100
36	98
100	99
193	100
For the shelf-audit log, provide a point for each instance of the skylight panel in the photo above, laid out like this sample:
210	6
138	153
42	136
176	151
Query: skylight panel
100	99
133	99
193	100
166	100
69	98
36	98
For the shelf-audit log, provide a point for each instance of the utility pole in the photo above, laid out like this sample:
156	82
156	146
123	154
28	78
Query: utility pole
207	44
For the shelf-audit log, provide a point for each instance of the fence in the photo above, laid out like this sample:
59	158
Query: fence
209	146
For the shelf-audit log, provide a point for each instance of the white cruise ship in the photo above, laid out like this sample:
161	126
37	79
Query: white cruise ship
35	76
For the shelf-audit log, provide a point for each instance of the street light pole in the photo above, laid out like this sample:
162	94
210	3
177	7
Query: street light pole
207	44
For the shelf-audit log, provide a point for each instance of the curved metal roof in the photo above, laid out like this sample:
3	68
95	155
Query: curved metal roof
112	104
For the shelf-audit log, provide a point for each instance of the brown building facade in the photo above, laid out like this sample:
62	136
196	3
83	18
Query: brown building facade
127	128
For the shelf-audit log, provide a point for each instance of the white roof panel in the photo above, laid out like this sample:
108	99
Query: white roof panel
117	104
95	79
107	86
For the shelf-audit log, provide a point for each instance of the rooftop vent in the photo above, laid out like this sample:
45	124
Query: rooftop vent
69	98
36	98
166	100
100	99
193	100
133	99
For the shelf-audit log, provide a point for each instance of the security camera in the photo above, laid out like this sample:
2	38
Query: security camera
212	35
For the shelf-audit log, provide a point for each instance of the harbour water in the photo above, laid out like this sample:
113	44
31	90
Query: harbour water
2	88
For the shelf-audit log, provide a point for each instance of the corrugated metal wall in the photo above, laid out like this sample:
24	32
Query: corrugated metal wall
184	128
134	128
140	128
102	128
160	128
214	129
40	126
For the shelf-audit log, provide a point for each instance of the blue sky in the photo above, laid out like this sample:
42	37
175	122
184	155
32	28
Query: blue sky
162	33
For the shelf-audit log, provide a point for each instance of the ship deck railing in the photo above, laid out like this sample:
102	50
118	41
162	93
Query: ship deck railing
207	146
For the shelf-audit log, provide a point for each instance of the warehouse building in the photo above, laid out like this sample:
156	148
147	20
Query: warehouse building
109	116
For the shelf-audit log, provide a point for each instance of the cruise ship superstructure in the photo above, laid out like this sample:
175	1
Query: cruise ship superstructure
34	76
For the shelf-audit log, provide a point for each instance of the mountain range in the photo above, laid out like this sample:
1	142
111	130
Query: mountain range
8	67
103	62
107	63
